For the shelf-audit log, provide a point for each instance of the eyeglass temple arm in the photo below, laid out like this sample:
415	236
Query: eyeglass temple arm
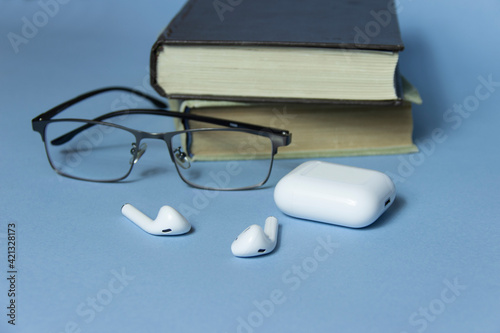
281	137
216	121
58	109
229	123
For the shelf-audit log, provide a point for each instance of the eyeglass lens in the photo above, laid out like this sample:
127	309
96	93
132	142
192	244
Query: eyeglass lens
99	153
222	159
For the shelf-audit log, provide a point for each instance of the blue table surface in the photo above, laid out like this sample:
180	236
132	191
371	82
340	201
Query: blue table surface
431	263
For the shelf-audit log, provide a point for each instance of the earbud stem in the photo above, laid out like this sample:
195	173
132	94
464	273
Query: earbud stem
271	228
133	214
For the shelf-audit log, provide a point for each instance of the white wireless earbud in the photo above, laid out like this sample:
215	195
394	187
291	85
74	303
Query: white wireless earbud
168	222
254	241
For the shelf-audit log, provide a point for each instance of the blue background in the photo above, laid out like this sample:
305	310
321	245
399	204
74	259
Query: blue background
430	264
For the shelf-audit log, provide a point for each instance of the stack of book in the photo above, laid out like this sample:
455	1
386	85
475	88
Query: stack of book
326	70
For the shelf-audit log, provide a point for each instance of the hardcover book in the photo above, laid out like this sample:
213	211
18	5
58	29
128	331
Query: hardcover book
317	51
319	130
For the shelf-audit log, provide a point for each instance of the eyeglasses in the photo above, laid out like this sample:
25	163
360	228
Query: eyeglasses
226	155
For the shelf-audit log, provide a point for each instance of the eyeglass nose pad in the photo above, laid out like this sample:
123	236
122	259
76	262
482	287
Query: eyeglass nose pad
140	152
181	158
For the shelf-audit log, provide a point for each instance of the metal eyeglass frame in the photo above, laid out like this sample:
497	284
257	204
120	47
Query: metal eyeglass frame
278	137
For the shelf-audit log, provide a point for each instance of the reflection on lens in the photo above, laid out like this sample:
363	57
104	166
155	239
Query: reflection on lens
224	159
90	152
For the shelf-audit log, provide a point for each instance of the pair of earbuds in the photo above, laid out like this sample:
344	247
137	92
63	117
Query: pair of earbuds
253	241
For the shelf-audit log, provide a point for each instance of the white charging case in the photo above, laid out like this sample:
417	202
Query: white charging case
334	193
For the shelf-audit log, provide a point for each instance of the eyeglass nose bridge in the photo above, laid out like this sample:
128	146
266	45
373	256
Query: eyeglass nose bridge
138	152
